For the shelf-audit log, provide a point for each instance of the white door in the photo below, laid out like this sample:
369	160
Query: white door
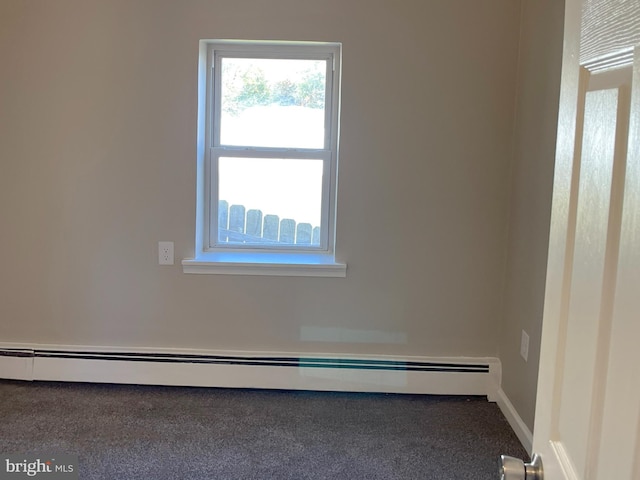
587	423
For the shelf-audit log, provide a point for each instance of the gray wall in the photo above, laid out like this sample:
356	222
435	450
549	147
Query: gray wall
97	147
530	199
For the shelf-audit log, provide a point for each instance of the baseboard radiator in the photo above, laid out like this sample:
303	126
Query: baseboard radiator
385	374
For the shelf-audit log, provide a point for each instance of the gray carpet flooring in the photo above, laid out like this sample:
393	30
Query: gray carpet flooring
148	432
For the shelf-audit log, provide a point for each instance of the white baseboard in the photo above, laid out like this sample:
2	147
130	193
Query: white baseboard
16	363
517	424
291	371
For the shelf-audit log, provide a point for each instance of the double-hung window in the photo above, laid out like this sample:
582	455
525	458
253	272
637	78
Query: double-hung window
268	166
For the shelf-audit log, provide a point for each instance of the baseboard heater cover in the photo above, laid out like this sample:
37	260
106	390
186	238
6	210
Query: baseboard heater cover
467	376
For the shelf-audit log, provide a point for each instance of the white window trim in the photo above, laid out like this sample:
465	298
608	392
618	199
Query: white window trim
274	264
280	261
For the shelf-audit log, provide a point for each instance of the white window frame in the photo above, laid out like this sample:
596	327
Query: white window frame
279	259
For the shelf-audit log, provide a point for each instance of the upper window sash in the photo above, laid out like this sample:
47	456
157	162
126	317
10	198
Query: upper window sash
276	51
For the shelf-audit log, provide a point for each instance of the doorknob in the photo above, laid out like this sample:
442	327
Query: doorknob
515	469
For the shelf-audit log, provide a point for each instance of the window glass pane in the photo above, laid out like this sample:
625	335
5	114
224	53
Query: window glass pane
272	102
266	201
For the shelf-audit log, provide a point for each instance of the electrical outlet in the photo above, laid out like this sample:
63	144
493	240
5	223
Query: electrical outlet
524	346
165	253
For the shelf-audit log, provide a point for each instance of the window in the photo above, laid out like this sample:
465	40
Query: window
267	147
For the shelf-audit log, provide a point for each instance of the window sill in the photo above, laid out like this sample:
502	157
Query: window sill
274	264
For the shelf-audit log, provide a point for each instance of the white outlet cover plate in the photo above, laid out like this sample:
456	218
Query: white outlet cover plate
524	346
165	253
